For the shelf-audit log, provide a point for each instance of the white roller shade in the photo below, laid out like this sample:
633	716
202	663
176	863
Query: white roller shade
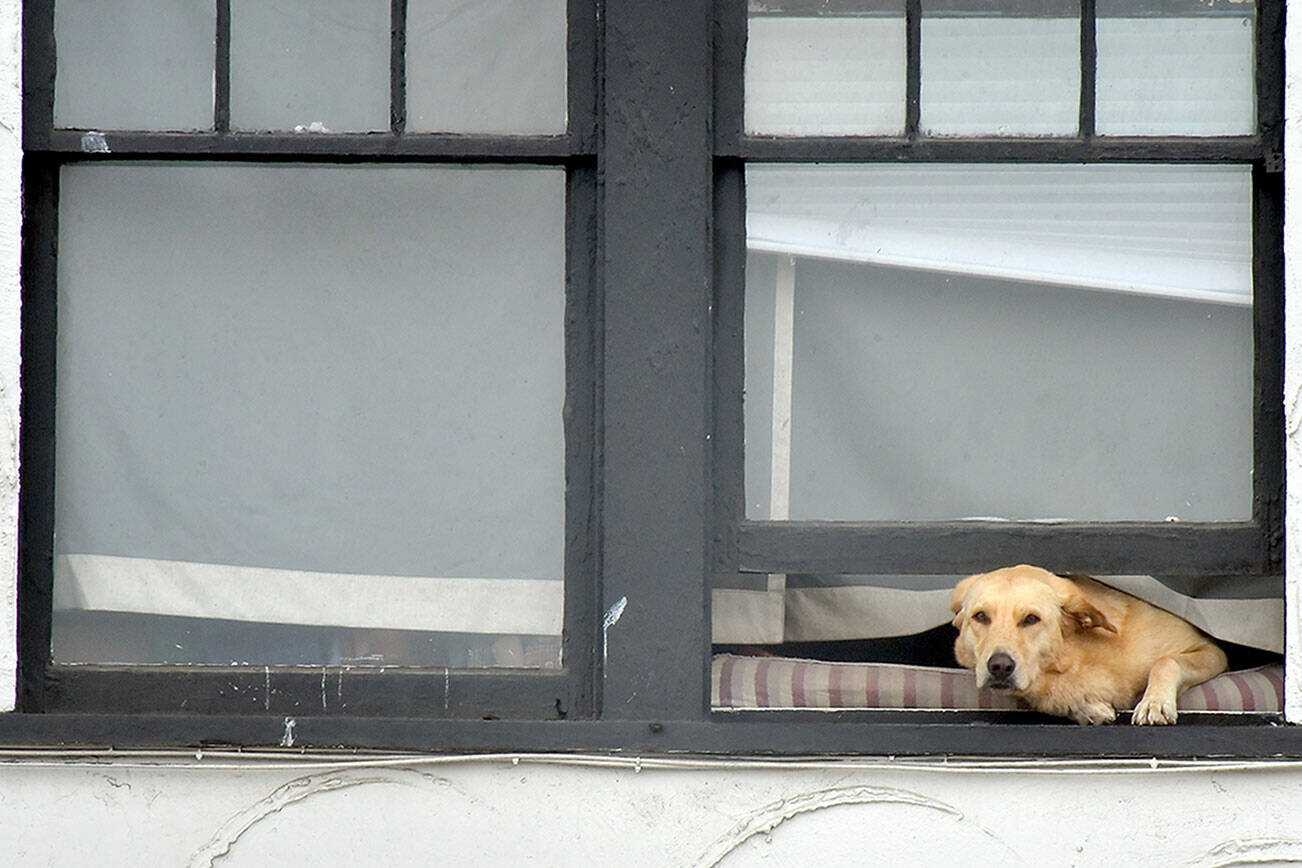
1184	231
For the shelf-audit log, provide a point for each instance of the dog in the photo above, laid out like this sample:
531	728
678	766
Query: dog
1073	647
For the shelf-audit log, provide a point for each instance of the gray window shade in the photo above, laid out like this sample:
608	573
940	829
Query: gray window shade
310	65
1020	342
316	396
825	76
999	75
134	64
486	66
1188	75
1014	73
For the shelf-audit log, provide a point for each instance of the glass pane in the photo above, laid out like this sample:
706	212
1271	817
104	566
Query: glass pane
310	65
486	66
1014	342
134	64
1014	73
1175	68
826	75
310	414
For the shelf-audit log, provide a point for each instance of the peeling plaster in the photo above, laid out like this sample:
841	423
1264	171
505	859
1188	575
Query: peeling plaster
1251	851
764	820
298	790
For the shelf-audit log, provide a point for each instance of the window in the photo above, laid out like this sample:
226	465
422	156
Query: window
1009	297
314	352
507	250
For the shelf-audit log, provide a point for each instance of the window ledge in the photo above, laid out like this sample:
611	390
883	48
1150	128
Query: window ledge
772	734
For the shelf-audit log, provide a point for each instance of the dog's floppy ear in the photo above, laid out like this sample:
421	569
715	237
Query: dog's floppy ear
960	591
1077	606
1086	614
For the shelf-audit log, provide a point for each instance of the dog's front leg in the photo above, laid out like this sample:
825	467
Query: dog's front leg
1092	713
1172	674
1157	706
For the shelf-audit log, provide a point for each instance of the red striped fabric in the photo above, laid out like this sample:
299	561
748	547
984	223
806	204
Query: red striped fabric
724	667
872	681
780	682
798	686
762	682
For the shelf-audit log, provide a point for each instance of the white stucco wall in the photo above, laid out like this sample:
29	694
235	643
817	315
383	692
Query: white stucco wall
10	220
180	809
503	811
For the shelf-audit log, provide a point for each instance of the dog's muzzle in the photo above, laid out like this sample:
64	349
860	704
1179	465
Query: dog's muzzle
1000	667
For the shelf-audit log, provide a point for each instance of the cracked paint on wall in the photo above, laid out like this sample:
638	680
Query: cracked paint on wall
300	790
1252	851
770	817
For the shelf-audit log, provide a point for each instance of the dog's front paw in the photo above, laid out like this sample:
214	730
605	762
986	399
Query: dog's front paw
1153	712
1093	713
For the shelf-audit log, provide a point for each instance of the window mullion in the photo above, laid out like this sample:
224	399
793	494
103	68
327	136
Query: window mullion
1088	67
913	68
655	170
398	66
36	446
222	69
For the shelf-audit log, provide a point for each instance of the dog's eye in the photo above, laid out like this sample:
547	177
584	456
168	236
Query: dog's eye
981	617
1029	620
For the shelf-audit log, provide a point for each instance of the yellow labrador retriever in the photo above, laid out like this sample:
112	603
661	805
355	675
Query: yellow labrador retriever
1077	648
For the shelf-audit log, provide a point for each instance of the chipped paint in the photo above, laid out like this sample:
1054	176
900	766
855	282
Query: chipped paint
608	620
94	143
287	740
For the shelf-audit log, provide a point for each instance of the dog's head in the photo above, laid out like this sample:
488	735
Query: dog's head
1012	624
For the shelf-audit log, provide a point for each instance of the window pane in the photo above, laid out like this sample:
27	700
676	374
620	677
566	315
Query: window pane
313	414
1171	69
1008	74
486	66
832	75
310	65
1019	342
134	64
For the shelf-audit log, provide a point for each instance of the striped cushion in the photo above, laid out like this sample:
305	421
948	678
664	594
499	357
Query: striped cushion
783	682
1260	689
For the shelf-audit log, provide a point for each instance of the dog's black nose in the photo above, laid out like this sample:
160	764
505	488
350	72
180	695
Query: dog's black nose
1001	666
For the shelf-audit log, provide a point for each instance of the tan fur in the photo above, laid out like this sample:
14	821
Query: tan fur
1094	649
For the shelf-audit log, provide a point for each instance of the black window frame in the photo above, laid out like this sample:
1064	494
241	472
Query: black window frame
1254	546
47	687
655	223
